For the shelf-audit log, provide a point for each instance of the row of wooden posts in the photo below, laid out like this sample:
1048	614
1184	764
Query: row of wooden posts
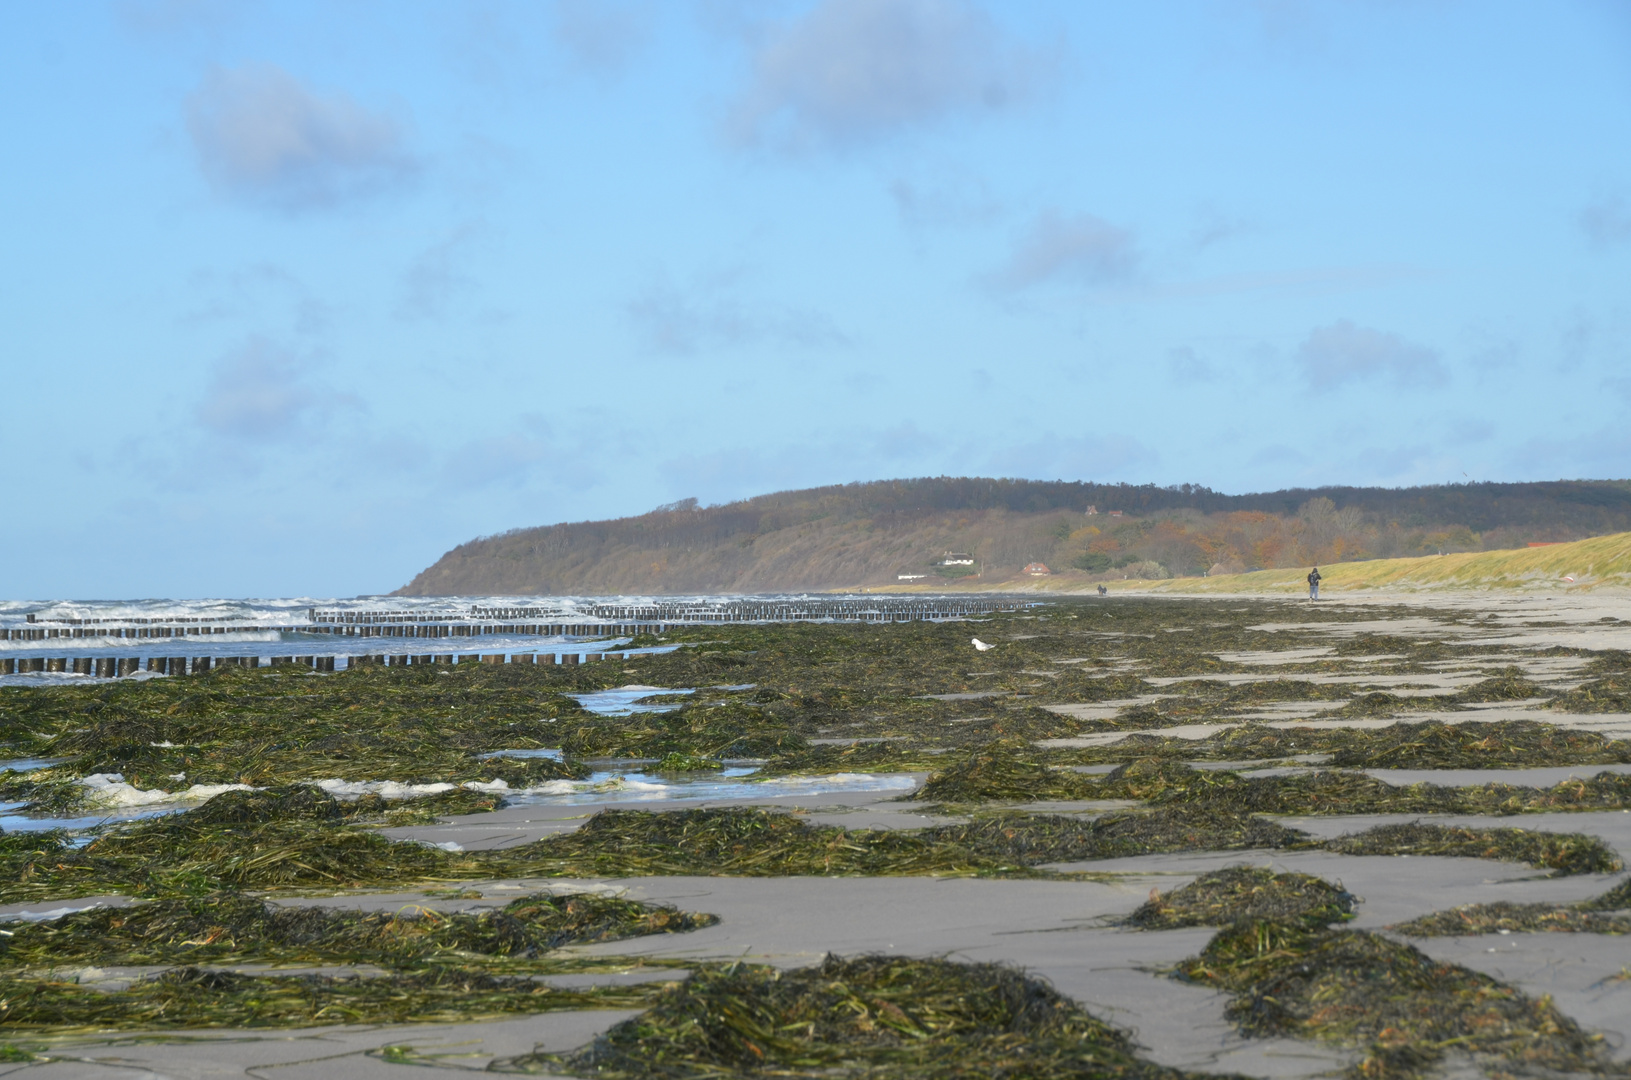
407	629
623	620
109	667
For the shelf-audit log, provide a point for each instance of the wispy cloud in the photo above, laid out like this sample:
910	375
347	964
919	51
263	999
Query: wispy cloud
600	35
500	459
1213	226
944	202
1083	248
1186	366
852	71
1607	221
261	393
434	278
673	320
261	294
175	16
263	136
1343	352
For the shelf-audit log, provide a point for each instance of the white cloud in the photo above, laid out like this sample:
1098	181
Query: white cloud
263	136
852	71
1083	247
1342	352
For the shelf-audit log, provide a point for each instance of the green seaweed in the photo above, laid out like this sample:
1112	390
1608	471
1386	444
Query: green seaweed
1241	893
191	997
1562	853
866	1016
236	929
1509	744
741	842
1033	840
680	762
999	773
1609	913
1505	917
1403	1009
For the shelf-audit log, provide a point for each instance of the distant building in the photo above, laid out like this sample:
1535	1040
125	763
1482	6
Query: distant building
955	558
1115	513
1037	569
1091	510
910	577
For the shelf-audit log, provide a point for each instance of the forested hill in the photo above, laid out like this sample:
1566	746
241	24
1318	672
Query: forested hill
868	534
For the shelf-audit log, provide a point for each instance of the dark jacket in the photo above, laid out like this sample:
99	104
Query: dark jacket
1314	576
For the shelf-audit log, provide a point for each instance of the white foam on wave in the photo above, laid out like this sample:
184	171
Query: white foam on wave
283	611
385	789
110	790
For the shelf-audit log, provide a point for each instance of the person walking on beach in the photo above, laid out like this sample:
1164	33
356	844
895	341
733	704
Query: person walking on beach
1314	583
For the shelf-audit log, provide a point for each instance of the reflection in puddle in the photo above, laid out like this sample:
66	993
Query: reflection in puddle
552	755
11	822
729	784
624	700
29	764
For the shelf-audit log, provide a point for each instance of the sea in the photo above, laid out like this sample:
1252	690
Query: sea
77	630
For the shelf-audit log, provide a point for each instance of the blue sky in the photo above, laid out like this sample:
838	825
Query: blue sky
294	297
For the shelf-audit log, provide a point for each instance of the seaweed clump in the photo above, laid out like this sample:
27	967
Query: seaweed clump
290	837
1403	1008
1503	744
1609	913
1331	791
997	773
238	929
732	729
1505	917
1035	839
1245	893
743	842
192	997
864	1016
1609	694
1562	853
